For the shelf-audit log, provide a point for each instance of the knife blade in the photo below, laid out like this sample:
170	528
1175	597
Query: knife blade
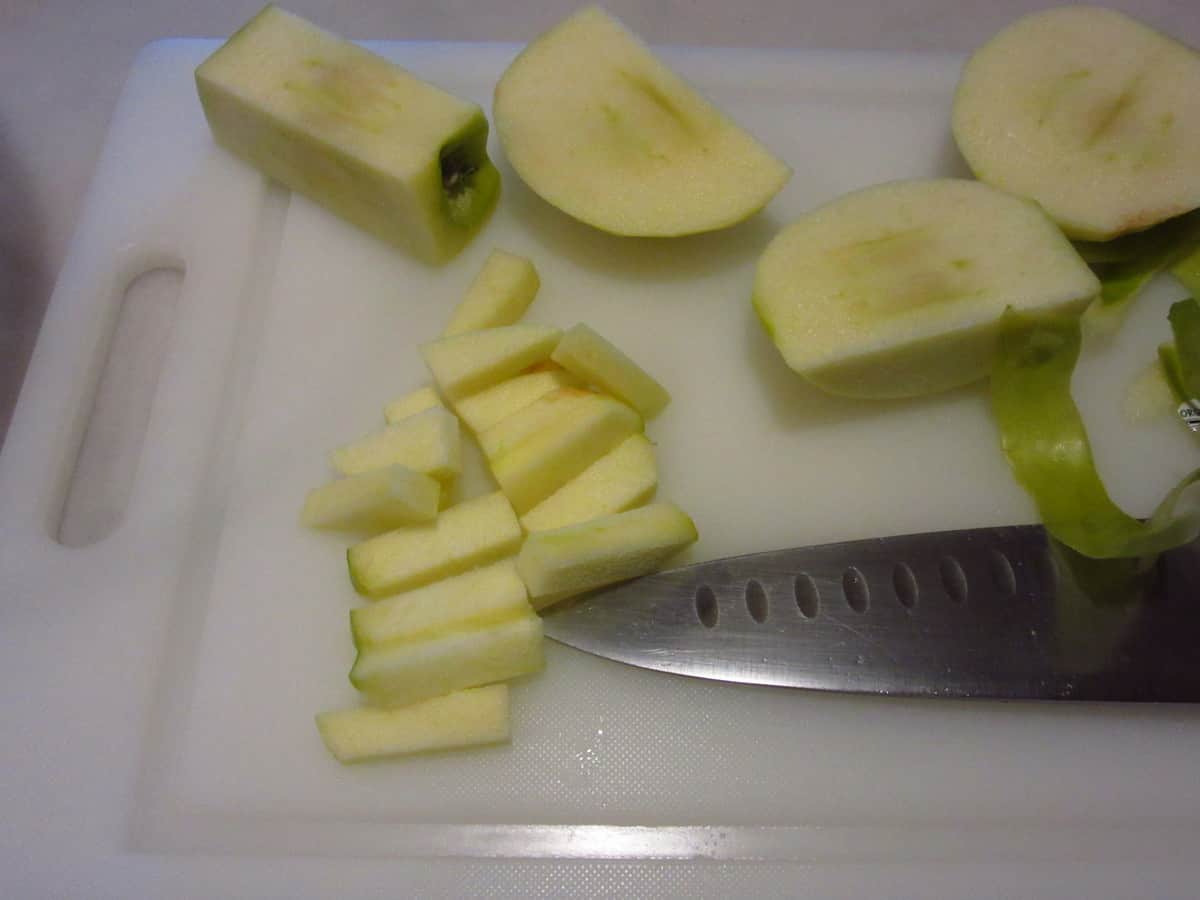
988	612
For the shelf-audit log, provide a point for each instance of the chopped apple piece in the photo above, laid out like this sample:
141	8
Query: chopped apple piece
498	439
401	673
373	501
483	410
896	290
470	534
597	126
623	478
539	465
568	561
392	154
499	295
602	365
410	404
467	718
427	442
474	599
468	363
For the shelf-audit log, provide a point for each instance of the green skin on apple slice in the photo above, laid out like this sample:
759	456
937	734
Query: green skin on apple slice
566	561
466	718
897	290
384	150
597	126
1090	113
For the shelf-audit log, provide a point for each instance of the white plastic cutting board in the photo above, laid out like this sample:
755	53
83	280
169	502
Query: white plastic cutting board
159	685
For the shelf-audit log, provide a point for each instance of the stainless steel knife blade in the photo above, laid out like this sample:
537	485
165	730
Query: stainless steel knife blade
988	612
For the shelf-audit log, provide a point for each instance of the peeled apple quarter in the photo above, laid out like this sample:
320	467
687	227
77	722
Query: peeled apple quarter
897	290
1090	113
599	127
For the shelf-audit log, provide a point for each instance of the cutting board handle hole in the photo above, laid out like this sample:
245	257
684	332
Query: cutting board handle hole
102	478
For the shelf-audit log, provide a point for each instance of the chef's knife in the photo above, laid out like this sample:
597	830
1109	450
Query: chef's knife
988	612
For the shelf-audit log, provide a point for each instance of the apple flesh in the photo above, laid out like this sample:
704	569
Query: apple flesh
467	363
495	404
410	404
897	290
597	126
469	534
469	718
373	501
621	479
597	362
390	153
499	295
1090	113
397	674
534	468
500	438
477	598
567	561
428	442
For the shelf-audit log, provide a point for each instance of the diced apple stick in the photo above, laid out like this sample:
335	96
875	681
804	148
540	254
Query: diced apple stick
542	463
467	363
622	479
506	434
492	405
373	501
474	599
428	442
469	718
472	533
399	674
499	295
568	561
597	362
410	404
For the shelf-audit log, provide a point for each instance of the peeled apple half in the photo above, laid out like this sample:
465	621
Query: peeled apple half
597	126
1090	113
897	290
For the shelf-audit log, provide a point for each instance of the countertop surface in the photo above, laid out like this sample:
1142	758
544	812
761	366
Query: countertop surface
63	62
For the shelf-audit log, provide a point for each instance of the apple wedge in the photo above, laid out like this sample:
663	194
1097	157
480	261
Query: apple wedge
1090	113
390	153
373	501
498	439
469	718
597	126
621	479
467	363
474	599
499	295
493	405
410	404
598	363
472	533
897	290
534	468
406	672
567	561
428	442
